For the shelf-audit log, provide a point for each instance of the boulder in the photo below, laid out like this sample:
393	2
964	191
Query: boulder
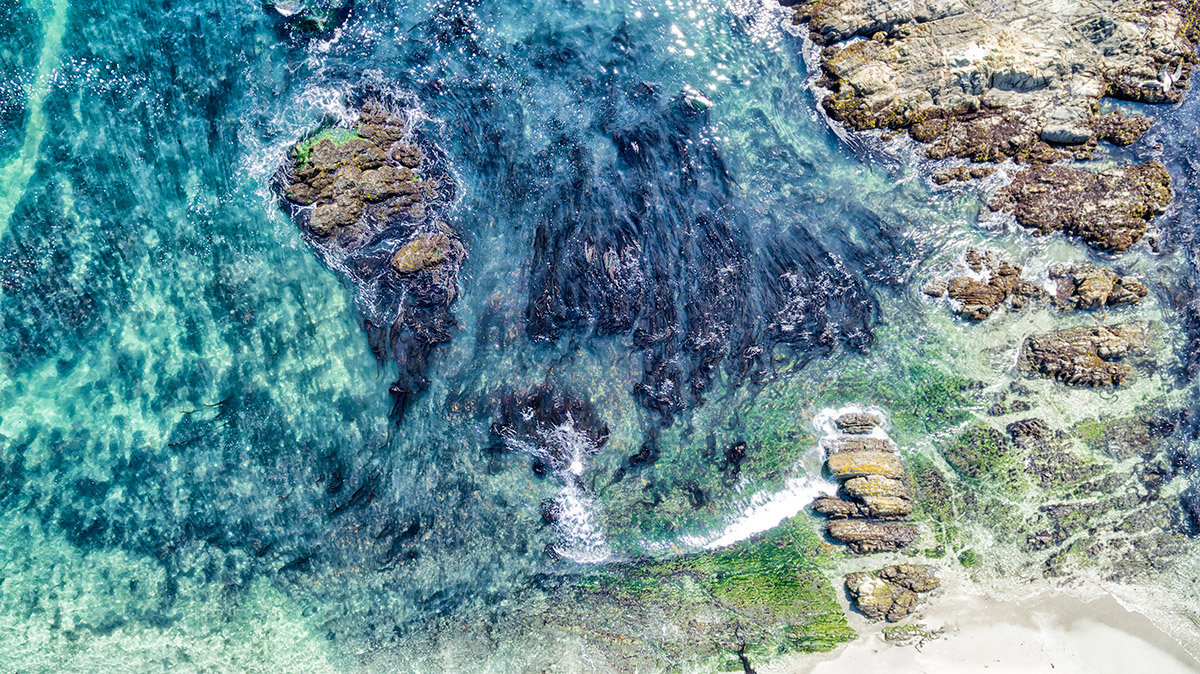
846	465
891	592
865	536
423	251
916	577
1088	287
859	423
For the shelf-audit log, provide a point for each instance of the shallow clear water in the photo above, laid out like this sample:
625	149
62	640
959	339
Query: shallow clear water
200	467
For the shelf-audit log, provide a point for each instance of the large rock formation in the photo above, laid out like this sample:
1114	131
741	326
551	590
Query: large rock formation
371	210
1085	356
872	494
991	81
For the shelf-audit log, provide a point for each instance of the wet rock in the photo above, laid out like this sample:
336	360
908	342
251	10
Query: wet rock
1118	129
866	536
1108	210
1028	431
977	299
874	486
1088	287
425	251
846	465
836	508
915	577
841	445
962	174
857	423
1084	356
934	288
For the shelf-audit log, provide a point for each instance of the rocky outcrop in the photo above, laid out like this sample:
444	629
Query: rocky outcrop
1088	356
872	495
996	281
370	209
1108	210
1088	287
890	593
961	174
992	81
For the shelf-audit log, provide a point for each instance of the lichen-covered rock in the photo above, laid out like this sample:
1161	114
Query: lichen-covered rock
425	251
887	507
976	298
1088	287
843	445
857	423
866	536
1084	356
846	465
1108	210
874	486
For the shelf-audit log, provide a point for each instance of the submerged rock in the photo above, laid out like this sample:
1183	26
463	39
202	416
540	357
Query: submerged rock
1108	210
1084	356
865	536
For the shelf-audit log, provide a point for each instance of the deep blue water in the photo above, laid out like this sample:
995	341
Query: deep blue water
200	464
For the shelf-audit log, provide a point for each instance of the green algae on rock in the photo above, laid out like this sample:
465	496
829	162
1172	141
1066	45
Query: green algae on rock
761	597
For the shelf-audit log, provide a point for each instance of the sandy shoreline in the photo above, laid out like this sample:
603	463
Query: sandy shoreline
1050	632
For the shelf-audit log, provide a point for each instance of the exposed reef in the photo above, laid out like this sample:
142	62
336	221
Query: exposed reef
988	82
370	205
1108	210
1088	356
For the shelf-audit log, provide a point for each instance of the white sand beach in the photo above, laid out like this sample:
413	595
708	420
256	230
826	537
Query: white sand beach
1051	632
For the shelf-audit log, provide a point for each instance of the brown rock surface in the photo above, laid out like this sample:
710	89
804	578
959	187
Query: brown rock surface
848	465
1109	210
865	536
1084	356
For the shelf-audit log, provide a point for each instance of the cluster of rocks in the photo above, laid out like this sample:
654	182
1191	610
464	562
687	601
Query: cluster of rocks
997	81
995	281
872	495
366	210
1086	356
890	593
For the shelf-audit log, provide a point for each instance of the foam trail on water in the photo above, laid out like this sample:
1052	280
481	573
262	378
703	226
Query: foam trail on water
765	511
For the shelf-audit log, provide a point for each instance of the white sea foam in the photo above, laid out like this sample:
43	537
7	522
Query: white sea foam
765	511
